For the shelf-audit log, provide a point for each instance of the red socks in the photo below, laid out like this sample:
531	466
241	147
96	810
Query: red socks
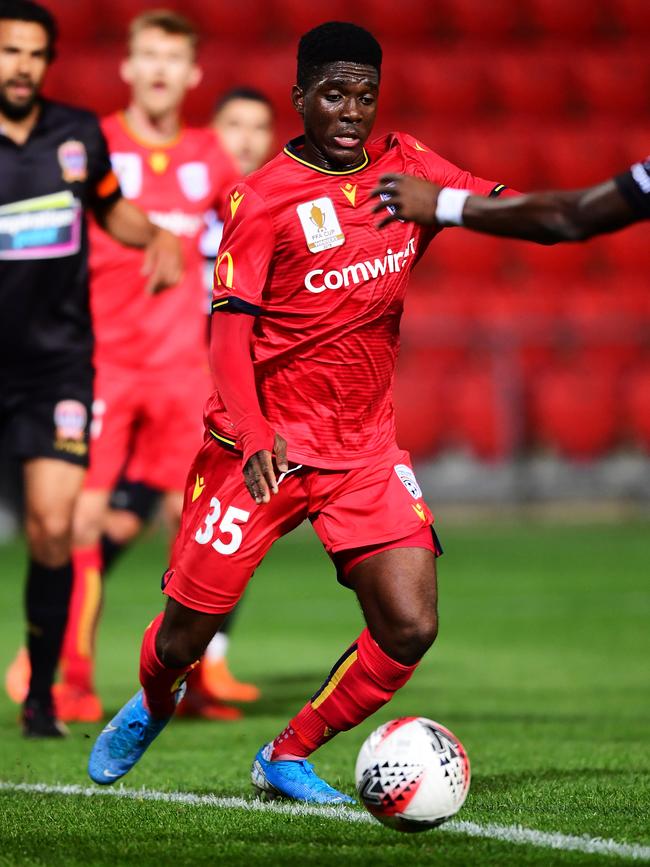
158	682
78	652
361	682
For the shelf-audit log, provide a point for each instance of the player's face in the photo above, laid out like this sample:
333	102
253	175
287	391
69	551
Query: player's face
23	62
245	128
338	111
160	69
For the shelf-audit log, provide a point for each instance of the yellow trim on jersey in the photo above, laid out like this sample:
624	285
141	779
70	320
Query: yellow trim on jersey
328	171
145	143
222	438
335	680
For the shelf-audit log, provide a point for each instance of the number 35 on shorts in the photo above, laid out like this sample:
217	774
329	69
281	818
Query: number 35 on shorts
228	527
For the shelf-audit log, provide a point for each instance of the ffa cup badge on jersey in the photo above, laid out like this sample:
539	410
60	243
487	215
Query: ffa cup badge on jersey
70	417
128	168
73	161
320	225
194	180
407	478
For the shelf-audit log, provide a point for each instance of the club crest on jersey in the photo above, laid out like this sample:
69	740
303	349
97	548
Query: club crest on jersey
320	224
70	417
194	180
128	168
73	160
407	477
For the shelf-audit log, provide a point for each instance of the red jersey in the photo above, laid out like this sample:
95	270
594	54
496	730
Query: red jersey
300	251
175	184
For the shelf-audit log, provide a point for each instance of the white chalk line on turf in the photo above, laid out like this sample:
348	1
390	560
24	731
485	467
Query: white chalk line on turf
504	833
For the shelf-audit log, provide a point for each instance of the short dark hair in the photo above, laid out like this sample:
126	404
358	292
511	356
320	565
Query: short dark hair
334	41
26	10
242	92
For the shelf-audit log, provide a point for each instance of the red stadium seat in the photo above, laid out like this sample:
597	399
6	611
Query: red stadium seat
636	406
408	19
533	84
244	22
295	17
116	14
614	83
503	154
632	16
498	19
577	19
628	251
445	85
558	263
78	21
580	157
484	413
458	253
574	411
89	79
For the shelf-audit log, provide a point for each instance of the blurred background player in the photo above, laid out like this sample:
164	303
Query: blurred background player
55	166
243	121
152	375
545	217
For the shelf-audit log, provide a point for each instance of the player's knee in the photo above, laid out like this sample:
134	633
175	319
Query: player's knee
411	638
122	527
49	536
178	650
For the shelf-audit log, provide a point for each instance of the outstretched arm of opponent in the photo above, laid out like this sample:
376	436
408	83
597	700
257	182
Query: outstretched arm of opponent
127	224
232	367
546	217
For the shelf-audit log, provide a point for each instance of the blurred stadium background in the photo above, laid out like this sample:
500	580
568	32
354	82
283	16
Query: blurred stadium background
525	371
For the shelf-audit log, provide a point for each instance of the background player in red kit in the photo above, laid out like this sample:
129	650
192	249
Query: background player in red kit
151	361
307	304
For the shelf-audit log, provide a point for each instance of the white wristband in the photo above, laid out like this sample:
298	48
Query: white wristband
449	209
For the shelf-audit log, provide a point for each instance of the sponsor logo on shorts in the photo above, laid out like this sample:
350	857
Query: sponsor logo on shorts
70	417
320	224
73	160
407	478
319	280
45	227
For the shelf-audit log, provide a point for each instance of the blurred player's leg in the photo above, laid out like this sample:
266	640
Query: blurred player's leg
216	677
51	488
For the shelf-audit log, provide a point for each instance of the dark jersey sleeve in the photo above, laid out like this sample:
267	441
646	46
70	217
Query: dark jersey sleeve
103	185
635	187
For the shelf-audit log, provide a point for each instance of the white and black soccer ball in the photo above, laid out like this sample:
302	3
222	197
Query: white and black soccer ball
412	774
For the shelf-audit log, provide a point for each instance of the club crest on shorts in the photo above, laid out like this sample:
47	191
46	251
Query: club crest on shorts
73	160
320	224
70	417
407	478
194	180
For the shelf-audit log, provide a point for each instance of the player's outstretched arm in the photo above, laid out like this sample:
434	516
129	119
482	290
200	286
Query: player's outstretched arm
545	218
232	367
163	260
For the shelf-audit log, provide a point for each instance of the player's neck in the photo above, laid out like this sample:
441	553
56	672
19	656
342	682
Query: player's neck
311	153
155	130
19	130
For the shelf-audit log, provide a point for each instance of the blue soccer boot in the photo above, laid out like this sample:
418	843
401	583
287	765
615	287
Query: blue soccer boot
124	740
295	780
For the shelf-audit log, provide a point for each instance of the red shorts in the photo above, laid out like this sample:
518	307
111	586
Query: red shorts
152	420
224	535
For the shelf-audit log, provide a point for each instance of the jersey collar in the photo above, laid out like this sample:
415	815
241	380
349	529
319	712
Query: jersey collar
294	147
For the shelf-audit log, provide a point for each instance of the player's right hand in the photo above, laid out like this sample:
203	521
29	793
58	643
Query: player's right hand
259	473
163	262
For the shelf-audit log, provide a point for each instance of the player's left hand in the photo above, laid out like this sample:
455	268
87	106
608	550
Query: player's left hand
411	199
163	262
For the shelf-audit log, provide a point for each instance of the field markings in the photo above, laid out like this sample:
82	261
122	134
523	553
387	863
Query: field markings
505	833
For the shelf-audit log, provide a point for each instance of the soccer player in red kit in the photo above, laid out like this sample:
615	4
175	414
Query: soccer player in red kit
152	372
307	303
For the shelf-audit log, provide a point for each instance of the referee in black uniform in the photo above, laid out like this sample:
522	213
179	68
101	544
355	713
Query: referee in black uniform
54	165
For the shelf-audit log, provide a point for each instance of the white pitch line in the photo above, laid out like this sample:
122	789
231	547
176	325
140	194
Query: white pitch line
505	833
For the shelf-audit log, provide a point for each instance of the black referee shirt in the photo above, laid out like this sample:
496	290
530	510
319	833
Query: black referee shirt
46	185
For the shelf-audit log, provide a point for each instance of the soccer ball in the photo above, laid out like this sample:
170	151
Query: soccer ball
412	774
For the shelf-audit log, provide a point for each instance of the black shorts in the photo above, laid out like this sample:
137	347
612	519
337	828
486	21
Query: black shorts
48	419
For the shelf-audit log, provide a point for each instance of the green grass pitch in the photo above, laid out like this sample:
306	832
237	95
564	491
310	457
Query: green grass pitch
541	668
